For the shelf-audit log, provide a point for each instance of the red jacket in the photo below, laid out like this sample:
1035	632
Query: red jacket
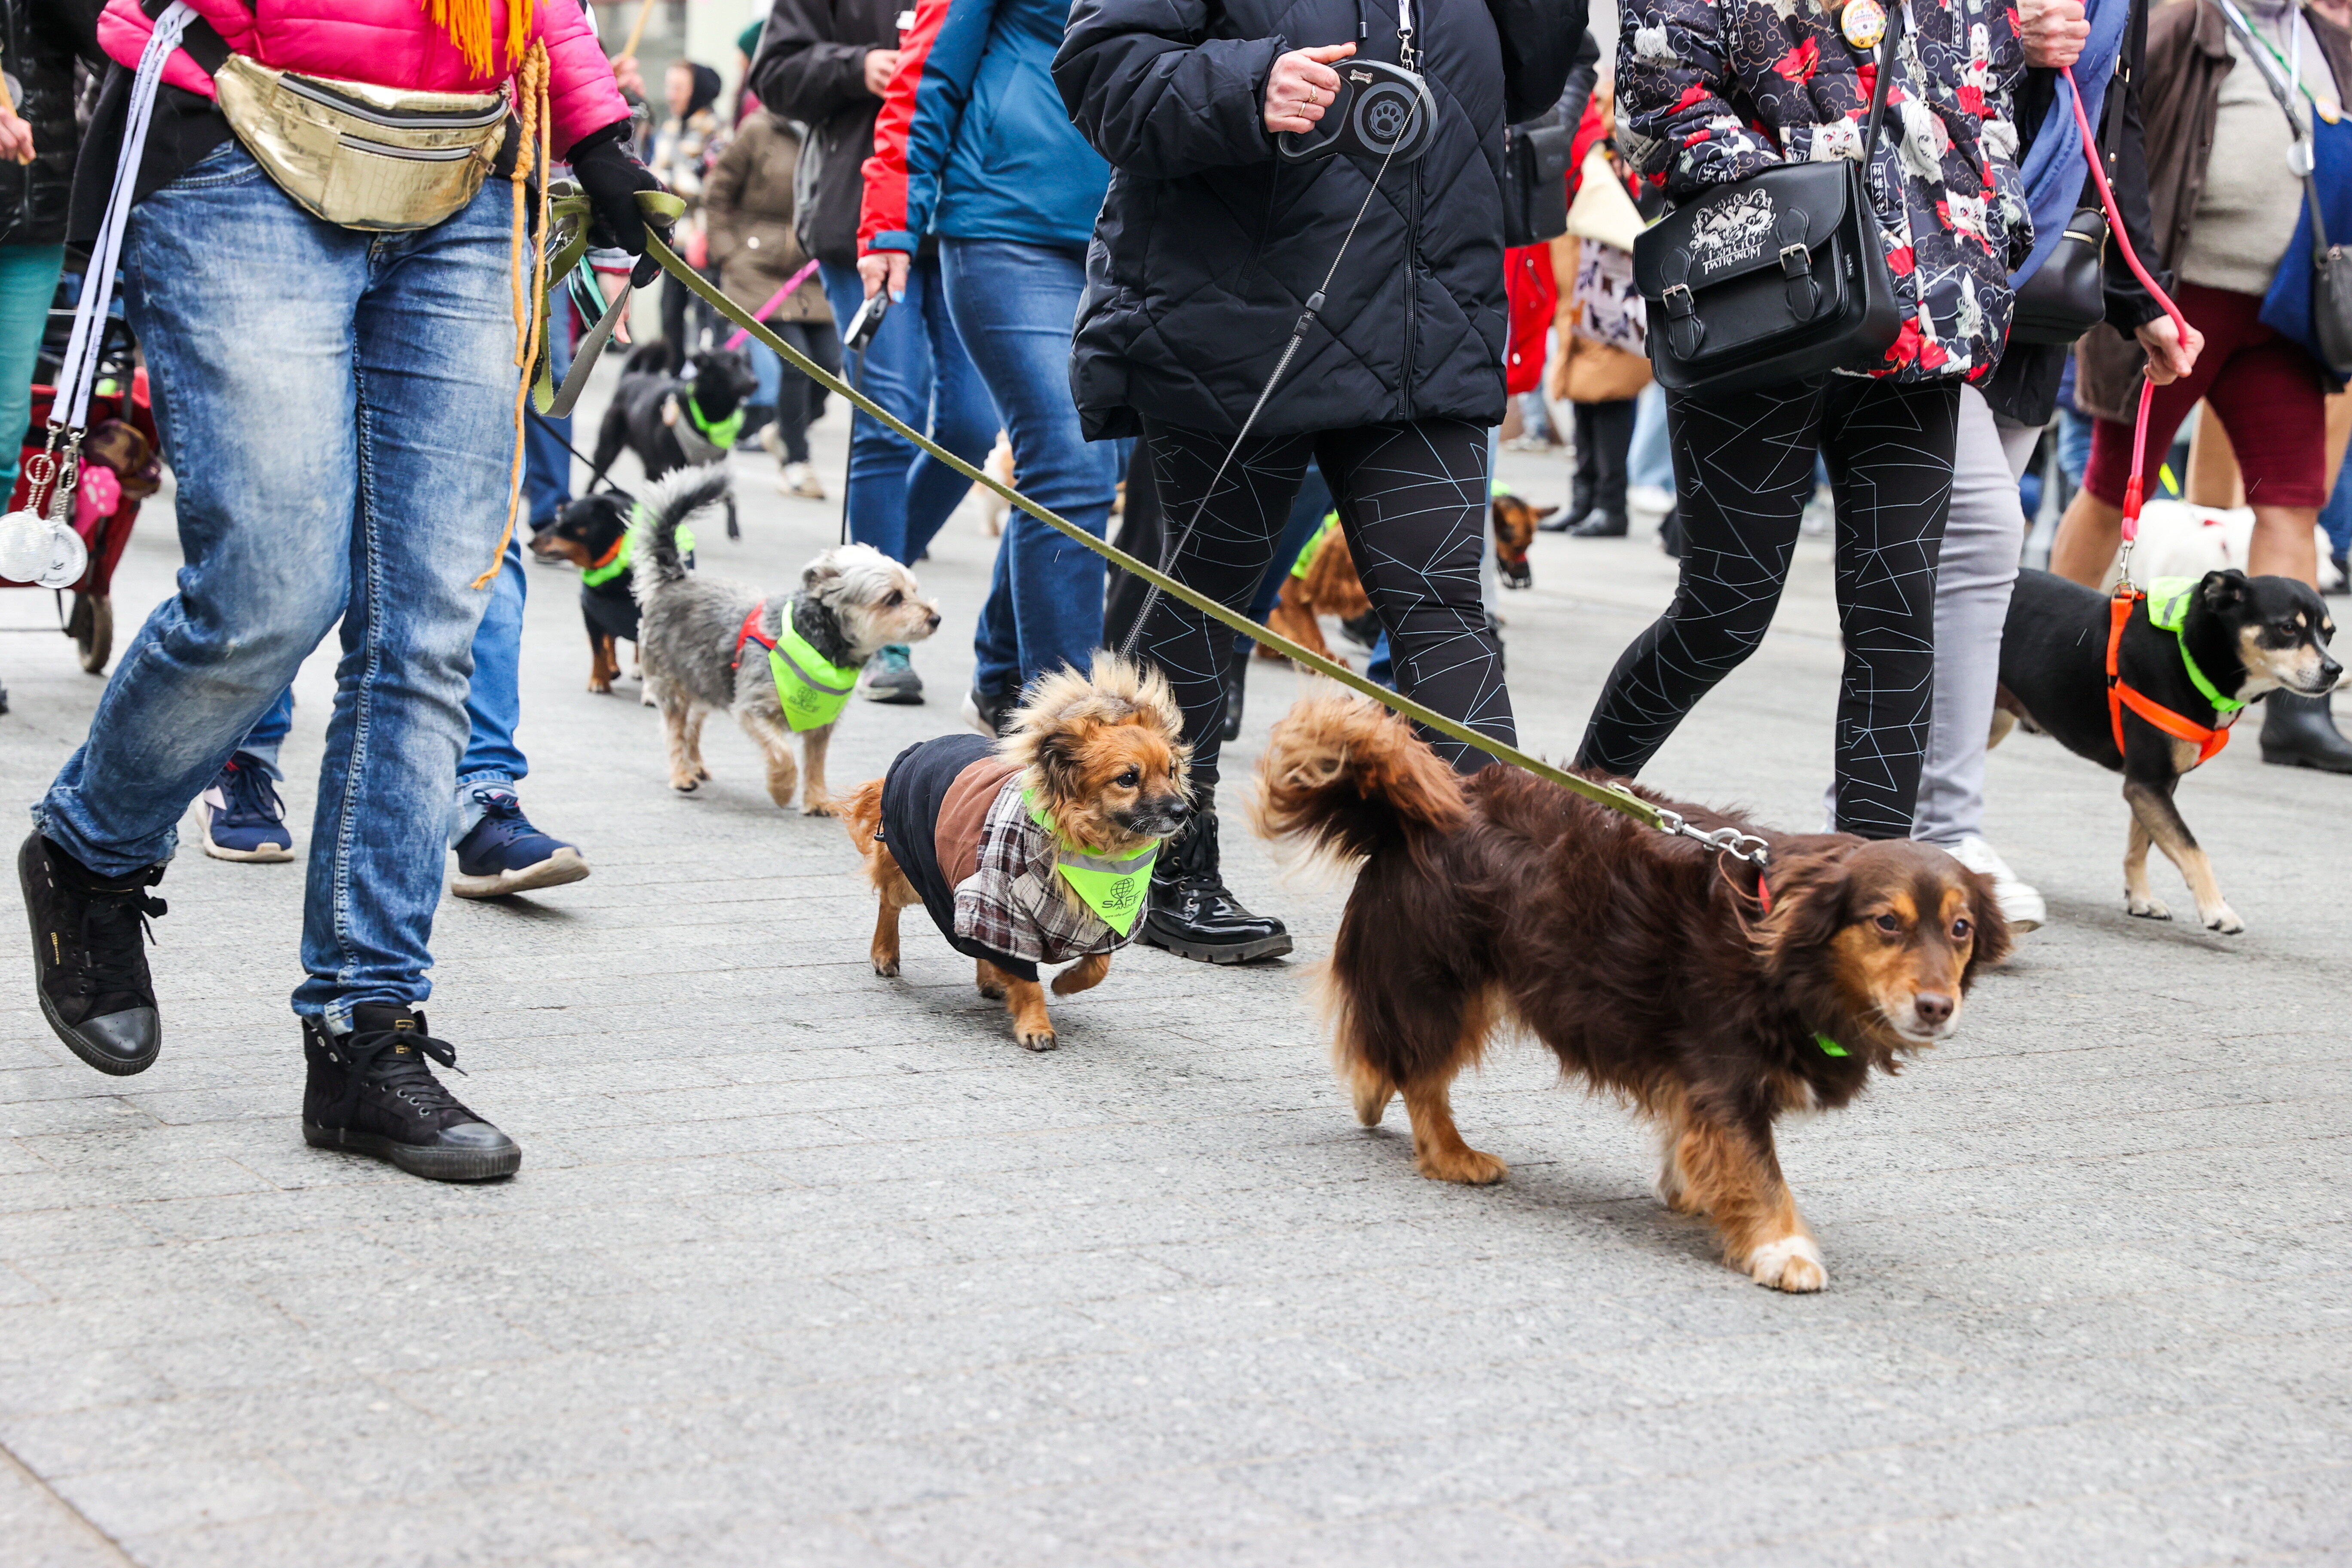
389	42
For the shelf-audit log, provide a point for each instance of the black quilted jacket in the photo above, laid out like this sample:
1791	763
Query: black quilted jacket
37	46
1208	247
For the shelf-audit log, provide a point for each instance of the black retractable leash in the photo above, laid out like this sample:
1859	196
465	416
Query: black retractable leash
1381	112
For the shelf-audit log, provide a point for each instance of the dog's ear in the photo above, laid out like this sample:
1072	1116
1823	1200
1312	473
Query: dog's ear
1057	760
2220	590
1809	907
1993	938
1545	512
824	575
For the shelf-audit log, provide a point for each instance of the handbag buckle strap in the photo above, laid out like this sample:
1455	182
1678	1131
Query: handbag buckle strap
1796	261
1676	299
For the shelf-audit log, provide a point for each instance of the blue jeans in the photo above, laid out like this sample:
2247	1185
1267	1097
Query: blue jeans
547	466
493	701
339	409
28	282
2335	517
917	368
1649	461
1014	306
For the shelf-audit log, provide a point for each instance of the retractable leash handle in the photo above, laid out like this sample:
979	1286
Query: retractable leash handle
2133	488
1381	112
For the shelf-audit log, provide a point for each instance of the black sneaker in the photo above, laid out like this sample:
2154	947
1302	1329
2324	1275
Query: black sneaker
372	1091
1192	914
988	712
90	956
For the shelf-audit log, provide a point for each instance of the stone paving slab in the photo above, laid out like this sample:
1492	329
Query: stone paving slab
806	1267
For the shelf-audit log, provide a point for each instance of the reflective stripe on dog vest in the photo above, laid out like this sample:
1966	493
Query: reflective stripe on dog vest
1113	889
809	688
617	559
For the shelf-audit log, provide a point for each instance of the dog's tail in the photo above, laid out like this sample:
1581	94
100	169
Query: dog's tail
655	356
1345	776
667	504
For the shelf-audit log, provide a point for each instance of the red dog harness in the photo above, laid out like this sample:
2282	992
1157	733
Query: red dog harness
751	632
2121	695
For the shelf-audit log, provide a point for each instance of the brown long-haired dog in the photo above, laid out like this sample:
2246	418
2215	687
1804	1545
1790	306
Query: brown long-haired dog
954	827
1647	962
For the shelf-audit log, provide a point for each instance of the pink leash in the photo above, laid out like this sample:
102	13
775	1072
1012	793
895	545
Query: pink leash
797	279
2132	491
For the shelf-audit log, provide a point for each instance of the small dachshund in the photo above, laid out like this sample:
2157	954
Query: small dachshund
716	646
2248	636
1036	848
1709	999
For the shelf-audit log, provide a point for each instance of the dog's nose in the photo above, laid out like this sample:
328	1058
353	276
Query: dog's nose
933	623
1177	810
2330	671
1934	1008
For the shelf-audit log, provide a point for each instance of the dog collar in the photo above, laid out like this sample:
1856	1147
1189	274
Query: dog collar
2167	611
809	688
1829	1048
721	434
1114	888
617	560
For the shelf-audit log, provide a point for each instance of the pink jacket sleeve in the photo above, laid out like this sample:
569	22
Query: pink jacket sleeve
391	42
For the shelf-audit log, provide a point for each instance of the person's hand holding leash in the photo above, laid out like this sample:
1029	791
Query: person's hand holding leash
2053	32
882	268
609	171
2169	356
1302	85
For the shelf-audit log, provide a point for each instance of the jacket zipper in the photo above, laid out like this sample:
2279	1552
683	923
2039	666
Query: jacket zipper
418	121
1412	282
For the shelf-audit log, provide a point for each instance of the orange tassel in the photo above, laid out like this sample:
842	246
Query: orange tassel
467	24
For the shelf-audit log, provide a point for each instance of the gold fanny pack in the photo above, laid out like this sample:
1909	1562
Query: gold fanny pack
362	156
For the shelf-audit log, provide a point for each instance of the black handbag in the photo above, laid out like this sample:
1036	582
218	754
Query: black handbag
1774	277
2067	295
1535	177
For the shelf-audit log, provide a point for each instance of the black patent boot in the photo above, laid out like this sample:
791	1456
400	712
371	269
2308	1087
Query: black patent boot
90	956
1192	914
2300	733
373	1092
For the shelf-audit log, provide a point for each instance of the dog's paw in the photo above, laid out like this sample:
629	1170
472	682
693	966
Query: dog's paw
818	808
700	772
2223	919
887	968
600	689
1371	1096
1471	1167
1038	1039
685	783
2150	908
991	990
1792	1264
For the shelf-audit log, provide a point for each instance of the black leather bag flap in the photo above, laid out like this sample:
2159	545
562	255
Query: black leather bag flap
1735	230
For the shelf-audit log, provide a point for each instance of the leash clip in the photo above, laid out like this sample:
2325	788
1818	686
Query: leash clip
1723	840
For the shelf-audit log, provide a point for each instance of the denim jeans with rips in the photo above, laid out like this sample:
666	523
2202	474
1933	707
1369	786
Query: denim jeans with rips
338	408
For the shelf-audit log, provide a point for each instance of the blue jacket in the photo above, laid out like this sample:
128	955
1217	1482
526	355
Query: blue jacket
972	140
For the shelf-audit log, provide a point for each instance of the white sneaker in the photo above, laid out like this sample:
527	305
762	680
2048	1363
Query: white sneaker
799	480
2020	903
1649	499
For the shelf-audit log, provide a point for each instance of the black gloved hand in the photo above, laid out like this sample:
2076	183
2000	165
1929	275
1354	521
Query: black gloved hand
609	171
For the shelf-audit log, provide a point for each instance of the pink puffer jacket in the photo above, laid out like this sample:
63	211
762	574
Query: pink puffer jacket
390	43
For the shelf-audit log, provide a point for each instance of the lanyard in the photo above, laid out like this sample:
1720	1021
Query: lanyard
1407	56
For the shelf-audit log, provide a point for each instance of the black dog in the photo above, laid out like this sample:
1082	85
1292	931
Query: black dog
2247	636
591	532
676	413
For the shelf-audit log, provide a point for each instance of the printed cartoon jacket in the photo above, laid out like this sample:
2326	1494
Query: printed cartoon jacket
1709	91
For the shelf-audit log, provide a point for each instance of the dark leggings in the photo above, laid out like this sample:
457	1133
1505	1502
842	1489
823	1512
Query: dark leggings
800	401
1413	501
1743	469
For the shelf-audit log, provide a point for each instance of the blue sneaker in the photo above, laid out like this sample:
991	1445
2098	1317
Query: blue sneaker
243	817
505	854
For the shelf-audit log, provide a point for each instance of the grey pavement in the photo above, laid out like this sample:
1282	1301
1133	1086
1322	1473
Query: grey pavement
807	1266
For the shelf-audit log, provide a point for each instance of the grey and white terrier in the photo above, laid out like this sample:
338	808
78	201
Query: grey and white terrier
853	602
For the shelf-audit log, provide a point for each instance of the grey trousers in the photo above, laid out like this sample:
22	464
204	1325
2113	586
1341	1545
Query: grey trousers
1984	534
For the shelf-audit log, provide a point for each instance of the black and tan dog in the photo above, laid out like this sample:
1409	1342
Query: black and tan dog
592	533
2191	656
1710	999
678	410
1514	523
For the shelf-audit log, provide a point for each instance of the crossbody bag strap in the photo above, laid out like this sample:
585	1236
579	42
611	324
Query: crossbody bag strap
1878	88
2284	94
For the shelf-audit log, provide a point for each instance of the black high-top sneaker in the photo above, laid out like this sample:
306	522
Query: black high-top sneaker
1192	914
90	956
373	1091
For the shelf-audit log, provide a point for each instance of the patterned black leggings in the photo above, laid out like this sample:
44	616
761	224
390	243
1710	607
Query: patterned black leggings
1413	501
1743	469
